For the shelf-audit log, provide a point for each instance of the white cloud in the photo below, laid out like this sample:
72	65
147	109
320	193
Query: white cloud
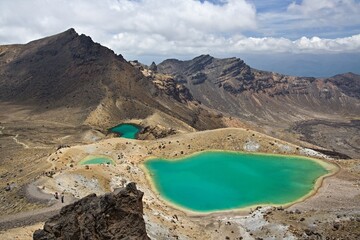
308	7
322	16
181	27
173	19
157	45
302	45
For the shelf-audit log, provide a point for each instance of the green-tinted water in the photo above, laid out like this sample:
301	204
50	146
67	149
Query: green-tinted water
96	160
211	181
126	130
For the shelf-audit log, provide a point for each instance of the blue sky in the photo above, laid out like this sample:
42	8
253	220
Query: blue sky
156	29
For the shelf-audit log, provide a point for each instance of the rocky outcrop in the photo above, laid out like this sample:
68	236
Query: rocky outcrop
155	132
117	215
168	85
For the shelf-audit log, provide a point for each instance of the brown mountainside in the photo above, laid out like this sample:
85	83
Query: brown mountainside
70	71
231	86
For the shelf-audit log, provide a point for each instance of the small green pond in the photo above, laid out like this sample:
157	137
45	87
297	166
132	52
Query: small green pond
126	130
219	180
96	160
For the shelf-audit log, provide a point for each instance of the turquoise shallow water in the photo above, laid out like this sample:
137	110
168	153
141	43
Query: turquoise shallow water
126	130
212	181
97	160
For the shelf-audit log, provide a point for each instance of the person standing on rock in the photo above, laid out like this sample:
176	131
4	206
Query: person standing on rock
62	198
56	195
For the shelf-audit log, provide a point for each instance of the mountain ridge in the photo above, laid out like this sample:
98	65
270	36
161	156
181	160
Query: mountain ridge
60	95
70	75
232	76
273	103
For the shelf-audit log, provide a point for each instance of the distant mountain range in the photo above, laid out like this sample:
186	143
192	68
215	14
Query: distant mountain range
310	65
101	89
231	86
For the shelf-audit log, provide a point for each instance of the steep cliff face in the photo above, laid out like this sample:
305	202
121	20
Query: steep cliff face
117	215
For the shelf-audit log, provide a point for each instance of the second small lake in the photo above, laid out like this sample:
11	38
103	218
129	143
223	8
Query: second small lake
126	130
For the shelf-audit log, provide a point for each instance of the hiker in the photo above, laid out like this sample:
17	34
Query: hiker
56	195
62	198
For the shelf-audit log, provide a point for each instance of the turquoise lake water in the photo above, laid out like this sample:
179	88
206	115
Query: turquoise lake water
96	160
213	181
126	130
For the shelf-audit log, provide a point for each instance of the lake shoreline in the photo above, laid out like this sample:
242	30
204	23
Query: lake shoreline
330	167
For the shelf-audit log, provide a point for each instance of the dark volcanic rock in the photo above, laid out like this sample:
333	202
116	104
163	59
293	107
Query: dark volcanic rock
117	215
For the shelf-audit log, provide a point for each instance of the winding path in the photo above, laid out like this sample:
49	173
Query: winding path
18	142
34	194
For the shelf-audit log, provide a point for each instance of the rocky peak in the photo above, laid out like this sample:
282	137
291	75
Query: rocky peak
153	67
61	38
54	68
80	45
230	73
68	33
117	215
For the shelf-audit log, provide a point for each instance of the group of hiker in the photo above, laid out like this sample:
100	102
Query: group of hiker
61	197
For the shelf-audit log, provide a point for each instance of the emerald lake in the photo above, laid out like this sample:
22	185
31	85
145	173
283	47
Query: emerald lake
126	130
220	180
